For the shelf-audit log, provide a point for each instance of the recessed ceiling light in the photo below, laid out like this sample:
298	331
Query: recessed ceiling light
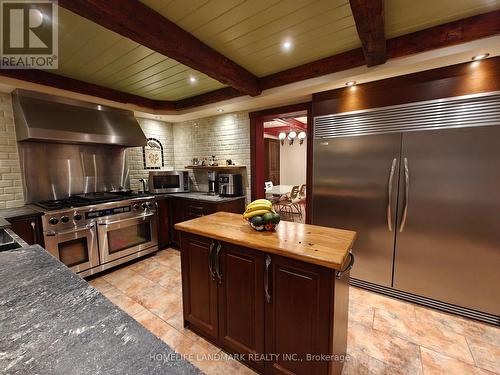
480	57
350	83
220	110
286	45
192	79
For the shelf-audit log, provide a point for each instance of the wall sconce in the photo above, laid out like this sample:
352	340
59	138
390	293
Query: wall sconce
302	136
282	137
291	137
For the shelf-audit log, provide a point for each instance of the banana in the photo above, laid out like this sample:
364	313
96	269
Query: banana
249	215
260	202
257	207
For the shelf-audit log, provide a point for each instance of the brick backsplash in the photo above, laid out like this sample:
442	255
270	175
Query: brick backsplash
152	129
11	188
225	136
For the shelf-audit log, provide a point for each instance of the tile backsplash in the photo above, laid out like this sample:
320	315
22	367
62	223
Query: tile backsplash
11	188
226	136
161	131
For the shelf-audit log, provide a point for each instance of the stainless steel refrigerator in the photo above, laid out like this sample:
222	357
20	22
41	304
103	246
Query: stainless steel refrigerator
420	184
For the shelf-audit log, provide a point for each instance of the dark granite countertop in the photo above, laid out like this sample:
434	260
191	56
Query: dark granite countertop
4	223
24	211
53	322
200	196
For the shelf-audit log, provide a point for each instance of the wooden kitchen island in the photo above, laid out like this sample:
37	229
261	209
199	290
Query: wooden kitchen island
277	300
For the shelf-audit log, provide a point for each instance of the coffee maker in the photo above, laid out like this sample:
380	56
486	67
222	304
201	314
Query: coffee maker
212	182
230	185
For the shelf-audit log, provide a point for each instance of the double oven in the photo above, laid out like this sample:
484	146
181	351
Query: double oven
93	238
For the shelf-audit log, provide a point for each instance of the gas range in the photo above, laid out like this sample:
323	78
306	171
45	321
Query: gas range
95	232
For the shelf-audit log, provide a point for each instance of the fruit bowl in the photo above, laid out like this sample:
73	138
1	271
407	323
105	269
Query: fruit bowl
261	216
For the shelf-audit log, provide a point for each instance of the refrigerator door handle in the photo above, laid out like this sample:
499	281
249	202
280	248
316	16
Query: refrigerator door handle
389	195
407	193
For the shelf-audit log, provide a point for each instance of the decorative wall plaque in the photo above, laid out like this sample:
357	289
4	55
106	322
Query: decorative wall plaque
153	154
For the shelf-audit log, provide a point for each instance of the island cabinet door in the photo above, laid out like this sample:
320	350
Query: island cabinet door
199	287
297	317
241	302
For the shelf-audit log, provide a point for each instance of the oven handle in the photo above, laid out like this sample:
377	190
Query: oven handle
86	227
130	218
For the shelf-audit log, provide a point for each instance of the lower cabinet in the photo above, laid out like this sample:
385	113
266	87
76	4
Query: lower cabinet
241	302
298	317
29	228
199	291
163	223
186	209
281	316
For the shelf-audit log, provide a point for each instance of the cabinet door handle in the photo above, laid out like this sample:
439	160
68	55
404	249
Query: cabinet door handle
34	232
266	279
211	260
338	274
217	262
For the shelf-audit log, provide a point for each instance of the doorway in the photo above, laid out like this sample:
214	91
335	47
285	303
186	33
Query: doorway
281	147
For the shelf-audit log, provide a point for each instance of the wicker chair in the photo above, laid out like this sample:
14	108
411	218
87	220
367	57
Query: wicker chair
268	185
291	204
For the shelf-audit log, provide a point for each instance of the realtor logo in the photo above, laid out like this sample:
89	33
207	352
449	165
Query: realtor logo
28	34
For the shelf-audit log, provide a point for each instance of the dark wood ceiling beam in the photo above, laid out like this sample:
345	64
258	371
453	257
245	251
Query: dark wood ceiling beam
136	21
448	34
292	123
276	130
210	97
64	83
369	19
297	123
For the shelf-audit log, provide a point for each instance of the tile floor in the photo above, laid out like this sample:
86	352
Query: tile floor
386	336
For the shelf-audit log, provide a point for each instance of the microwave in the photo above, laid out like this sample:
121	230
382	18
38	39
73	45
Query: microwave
168	182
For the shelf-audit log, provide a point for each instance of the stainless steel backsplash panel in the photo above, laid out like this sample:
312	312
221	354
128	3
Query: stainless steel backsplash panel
55	170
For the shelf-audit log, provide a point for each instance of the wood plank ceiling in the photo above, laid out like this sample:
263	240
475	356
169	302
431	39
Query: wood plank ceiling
250	33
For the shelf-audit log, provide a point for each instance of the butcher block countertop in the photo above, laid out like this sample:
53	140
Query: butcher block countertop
323	246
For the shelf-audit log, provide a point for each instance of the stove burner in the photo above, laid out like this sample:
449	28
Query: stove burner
61	203
86	199
98	197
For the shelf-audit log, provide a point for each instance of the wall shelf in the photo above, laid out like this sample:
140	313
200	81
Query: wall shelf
214	168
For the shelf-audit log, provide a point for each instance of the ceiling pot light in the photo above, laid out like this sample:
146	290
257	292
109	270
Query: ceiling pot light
220	110
301	136
350	83
286	45
282	137
192	79
480	57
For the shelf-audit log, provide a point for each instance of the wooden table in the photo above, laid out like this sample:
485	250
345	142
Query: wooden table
279	190
277	299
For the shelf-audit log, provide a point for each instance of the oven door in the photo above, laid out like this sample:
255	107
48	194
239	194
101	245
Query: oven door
123	237
76	248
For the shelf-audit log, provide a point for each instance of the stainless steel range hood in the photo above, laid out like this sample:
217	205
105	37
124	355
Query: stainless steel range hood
41	117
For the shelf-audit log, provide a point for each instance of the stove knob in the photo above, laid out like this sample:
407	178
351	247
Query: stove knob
137	206
53	221
150	205
77	217
64	219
